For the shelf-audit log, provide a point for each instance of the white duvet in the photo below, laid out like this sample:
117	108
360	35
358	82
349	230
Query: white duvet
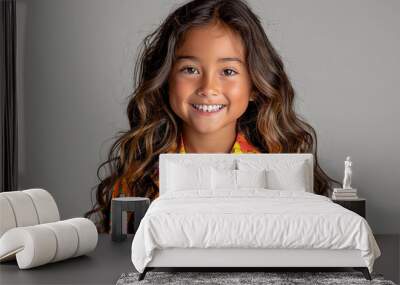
250	218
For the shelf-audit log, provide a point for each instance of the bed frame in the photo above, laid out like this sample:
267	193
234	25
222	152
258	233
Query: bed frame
248	259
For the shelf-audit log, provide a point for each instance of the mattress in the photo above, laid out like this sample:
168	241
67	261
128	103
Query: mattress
250	218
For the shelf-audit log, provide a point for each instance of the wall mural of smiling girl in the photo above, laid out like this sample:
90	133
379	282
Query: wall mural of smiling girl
207	80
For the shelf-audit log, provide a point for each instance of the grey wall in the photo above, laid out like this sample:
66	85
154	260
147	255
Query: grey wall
75	62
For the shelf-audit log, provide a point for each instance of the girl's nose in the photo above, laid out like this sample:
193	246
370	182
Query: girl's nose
209	86
207	93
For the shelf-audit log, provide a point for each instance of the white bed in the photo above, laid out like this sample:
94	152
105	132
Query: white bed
216	224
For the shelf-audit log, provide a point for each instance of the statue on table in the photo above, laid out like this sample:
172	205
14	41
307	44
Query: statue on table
347	174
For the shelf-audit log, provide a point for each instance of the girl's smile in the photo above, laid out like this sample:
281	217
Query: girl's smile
208	110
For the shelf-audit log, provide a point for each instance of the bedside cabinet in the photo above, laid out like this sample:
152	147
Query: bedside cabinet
356	205
137	205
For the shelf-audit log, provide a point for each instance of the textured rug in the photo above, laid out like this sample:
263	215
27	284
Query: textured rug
229	278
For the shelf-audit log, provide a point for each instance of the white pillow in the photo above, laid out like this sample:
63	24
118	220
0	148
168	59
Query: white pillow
236	179
289	178
181	177
224	178
282	175
251	178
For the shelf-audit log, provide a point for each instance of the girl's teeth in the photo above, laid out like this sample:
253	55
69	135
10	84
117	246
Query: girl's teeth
208	108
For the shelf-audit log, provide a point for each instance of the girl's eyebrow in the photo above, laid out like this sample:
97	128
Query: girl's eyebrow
224	59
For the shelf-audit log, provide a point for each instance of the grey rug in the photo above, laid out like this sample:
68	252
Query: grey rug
229	278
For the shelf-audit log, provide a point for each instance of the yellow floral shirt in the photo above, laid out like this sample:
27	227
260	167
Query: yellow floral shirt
241	145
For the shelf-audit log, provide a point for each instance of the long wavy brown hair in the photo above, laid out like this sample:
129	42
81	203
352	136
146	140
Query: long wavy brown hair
269	123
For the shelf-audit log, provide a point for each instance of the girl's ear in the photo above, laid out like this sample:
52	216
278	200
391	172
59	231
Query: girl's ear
252	95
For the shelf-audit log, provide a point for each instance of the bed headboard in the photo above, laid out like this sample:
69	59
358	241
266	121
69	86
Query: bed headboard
229	160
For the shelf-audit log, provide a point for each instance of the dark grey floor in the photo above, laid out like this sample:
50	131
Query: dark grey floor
102	266
389	262
110	260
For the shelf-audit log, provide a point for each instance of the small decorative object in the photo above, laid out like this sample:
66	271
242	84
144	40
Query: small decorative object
347	192
347	174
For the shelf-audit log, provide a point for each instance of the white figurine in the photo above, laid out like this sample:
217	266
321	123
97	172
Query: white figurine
347	174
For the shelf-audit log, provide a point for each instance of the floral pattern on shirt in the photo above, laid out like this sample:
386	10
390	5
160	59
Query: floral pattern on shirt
241	145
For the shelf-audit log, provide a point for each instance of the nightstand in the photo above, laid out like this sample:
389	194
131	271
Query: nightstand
138	205
357	205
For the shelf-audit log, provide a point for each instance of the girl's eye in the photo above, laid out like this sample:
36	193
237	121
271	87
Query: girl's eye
189	68
230	73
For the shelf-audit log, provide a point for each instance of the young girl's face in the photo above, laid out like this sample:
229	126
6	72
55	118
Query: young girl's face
210	69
